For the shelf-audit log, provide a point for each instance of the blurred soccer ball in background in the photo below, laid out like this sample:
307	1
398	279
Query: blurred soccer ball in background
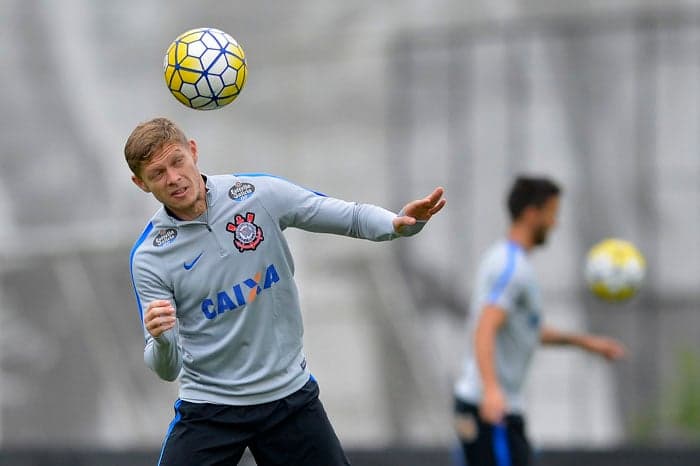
614	269
205	68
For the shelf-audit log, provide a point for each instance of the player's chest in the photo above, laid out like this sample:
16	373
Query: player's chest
229	244
528	304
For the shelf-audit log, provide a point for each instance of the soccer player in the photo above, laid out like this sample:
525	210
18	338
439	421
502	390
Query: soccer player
214	283
506	326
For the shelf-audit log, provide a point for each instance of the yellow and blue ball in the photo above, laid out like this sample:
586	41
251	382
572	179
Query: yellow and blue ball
205	68
614	269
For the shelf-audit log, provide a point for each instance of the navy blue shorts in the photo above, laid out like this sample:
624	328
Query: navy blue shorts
491	445
293	431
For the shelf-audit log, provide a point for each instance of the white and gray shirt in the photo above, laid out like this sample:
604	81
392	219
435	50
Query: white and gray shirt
505	279
230	277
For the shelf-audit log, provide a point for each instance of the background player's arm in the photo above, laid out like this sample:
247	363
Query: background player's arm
493	403
604	346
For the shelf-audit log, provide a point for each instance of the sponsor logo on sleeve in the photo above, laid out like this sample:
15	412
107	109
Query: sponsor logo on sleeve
241	191
164	237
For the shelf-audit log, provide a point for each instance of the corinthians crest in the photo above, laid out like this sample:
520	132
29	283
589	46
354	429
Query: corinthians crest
247	235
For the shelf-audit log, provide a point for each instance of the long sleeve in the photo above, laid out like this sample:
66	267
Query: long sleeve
301	208
163	355
239	333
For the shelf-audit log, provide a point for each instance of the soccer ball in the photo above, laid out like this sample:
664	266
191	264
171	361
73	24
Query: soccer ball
205	68
614	269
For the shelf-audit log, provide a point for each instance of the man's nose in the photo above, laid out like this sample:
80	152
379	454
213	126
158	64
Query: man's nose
172	175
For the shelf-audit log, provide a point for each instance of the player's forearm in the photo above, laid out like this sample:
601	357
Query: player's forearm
376	224
551	336
163	356
604	346
331	215
485	354
487	328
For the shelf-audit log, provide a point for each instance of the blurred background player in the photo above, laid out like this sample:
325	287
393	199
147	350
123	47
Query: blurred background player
506	325
214	284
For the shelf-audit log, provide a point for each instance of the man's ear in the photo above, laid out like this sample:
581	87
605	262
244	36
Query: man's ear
193	149
139	182
530	214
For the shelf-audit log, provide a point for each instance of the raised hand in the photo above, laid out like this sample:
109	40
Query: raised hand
421	209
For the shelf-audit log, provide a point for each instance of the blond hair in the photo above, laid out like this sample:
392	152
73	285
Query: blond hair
148	138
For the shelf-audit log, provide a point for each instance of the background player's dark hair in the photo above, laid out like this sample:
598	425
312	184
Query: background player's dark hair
530	191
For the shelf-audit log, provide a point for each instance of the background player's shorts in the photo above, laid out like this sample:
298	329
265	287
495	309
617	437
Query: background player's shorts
488	445
293	431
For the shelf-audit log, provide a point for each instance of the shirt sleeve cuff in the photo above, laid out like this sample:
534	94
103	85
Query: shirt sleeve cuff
410	230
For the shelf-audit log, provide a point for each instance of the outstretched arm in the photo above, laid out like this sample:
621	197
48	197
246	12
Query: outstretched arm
420	210
298	207
609	348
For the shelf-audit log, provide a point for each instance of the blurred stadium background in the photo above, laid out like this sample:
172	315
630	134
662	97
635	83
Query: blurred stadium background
375	102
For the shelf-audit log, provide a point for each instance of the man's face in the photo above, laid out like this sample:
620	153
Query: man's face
173	178
545	220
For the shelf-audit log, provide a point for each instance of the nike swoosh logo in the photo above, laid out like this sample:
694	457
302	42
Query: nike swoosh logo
191	264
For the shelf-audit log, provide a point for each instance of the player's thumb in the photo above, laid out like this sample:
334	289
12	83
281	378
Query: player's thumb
403	221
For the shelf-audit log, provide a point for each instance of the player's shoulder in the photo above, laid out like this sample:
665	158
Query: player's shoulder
502	255
142	239
158	233
261	179
238	187
143	244
266	181
243	182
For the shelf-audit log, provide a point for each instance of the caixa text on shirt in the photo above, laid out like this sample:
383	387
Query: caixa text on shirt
240	294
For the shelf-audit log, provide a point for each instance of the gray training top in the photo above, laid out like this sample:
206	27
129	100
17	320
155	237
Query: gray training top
230	277
505	278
